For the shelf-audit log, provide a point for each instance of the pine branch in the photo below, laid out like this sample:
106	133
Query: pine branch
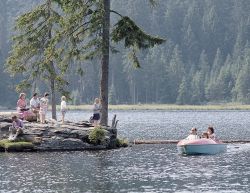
126	29
113	11
82	31
79	27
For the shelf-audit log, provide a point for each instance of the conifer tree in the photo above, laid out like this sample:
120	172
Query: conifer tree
3	29
190	45
203	75
212	88
197	88
35	52
189	23
49	40
242	87
175	72
183	93
91	20
226	81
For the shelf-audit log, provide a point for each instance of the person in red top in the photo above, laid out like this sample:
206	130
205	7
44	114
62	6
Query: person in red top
21	103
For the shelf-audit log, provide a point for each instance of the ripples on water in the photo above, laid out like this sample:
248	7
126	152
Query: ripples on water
177	124
141	168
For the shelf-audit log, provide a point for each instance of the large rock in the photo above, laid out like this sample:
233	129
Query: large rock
60	143
53	136
4	129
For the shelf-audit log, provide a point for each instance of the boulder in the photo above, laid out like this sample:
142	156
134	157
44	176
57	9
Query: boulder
53	136
4	129
60	143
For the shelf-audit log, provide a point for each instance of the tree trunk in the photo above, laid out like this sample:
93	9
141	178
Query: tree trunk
82	88
52	71
3	29
134	93
34	87
105	63
53	97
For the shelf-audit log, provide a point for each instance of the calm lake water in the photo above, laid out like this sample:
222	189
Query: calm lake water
140	168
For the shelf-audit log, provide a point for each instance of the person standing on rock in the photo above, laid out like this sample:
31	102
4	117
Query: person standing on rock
35	105
97	112
63	108
16	128
44	102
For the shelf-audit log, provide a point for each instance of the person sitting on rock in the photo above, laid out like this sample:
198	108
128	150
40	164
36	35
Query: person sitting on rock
193	134
35	105
16	128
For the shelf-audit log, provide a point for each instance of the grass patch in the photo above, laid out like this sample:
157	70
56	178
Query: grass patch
223	106
15	145
121	142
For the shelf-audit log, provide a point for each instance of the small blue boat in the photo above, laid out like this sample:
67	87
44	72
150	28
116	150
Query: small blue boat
201	146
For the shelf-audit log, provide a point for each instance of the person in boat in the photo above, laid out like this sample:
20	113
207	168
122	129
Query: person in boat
44	102
211	134
35	105
21	103
193	134
205	135
16	128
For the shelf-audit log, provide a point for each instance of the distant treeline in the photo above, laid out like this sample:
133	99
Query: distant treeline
206	57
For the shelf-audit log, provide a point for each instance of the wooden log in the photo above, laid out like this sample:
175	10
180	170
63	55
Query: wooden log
236	141
155	141
114	122
176	141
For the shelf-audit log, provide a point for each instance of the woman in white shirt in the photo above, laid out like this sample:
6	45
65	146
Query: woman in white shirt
35	105
63	108
193	134
44	102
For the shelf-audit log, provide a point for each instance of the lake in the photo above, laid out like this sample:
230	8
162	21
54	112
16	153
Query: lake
140	168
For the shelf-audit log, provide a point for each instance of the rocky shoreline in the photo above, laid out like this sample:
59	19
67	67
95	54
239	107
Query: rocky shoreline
53	136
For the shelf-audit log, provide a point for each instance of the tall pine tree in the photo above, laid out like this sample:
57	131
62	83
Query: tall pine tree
35	50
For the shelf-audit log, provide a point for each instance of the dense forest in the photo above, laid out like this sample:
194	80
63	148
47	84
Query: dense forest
206	58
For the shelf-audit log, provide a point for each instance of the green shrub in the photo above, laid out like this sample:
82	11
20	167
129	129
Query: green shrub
121	142
97	135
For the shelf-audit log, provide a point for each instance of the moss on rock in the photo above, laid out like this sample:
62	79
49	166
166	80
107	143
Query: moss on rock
16	145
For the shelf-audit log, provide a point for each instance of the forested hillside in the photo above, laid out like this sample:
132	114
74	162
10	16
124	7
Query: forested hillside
206	57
